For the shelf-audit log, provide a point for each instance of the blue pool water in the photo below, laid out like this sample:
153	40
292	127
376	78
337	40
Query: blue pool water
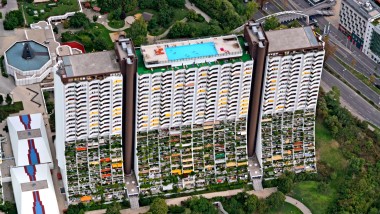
191	51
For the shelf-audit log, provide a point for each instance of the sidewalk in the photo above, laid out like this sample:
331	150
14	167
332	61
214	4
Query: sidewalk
177	201
191	6
298	204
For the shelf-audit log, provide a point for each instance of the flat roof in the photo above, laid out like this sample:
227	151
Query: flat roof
34	190
188	51
90	64
291	39
29	140
15	56
364	10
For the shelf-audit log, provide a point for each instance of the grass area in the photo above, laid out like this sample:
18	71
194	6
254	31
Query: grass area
60	8
286	209
116	23
359	75
308	193
328	149
6	110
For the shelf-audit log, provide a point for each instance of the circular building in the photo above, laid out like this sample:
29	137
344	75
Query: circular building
28	62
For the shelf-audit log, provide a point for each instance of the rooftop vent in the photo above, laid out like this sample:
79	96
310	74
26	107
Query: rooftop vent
367	6
27	52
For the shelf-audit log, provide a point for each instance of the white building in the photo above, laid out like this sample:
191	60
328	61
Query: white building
192	113
29	140
355	18
28	62
32	183
88	104
292	74
33	190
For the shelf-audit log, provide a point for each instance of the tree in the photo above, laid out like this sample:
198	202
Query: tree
55	29
285	184
79	20
159	206
100	43
138	32
275	200
66	24
251	203
8	99
176	3
4	2
251	9
294	24
329	48
1	99
114	208
372	78
271	23
95	18
201	205
13	19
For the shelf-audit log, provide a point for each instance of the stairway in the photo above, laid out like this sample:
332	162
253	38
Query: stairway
257	184
134	200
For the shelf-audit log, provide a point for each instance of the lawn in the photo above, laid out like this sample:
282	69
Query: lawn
286	209
116	23
61	7
309	194
6	110
328	149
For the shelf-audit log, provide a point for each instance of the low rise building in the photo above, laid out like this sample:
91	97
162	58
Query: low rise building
32	182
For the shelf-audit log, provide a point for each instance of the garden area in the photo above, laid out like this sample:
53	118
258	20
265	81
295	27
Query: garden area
94	37
41	11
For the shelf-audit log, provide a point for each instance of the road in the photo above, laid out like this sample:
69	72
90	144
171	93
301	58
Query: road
351	100
353	80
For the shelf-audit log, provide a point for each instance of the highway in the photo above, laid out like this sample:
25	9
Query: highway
351	100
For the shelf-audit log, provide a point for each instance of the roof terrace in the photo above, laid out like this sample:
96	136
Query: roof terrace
191	51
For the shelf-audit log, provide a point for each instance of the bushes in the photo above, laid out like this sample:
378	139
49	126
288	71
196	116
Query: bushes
79	20
2	68
6	110
13	19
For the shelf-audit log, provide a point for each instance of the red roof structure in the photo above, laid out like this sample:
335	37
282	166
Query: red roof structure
96	9
76	45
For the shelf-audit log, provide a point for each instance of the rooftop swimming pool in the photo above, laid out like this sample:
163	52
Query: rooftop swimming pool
191	51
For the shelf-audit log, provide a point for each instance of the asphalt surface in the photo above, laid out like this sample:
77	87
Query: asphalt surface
356	104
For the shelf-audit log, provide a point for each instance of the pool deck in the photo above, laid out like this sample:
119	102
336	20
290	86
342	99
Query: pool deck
156	56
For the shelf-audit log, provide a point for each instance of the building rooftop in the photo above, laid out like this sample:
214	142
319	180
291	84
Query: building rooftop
365	8
34	190
190	51
291	39
38	55
89	64
29	140
239	46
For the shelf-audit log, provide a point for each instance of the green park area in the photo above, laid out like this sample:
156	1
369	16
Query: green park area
41	11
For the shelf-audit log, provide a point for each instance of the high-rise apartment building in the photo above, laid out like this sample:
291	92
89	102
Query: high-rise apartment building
88	106
188	113
192	110
291	62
